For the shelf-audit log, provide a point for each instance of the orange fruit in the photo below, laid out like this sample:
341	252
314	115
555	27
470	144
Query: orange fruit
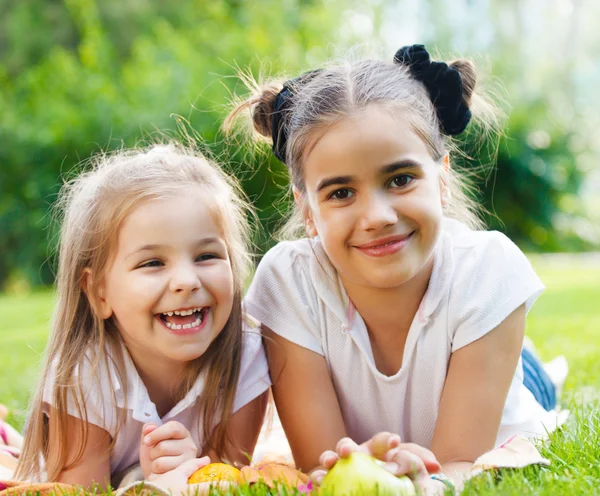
215	472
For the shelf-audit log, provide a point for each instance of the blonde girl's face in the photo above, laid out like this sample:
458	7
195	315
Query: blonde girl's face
374	196
170	286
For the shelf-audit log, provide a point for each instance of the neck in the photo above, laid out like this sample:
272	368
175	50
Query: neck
390	310
161	378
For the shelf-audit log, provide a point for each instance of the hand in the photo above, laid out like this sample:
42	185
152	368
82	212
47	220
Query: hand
165	448
401	458
175	480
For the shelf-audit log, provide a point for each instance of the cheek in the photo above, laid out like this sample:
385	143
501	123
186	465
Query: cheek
427	204
334	223
220	282
131	290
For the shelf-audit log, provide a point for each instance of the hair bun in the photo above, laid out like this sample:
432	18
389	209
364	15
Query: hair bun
263	109
444	84
466	69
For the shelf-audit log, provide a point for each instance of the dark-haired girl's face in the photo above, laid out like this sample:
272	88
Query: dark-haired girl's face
374	196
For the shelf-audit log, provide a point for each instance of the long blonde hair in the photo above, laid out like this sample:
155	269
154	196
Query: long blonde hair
91	209
347	87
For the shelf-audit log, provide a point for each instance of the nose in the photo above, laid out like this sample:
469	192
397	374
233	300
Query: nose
378	212
185	278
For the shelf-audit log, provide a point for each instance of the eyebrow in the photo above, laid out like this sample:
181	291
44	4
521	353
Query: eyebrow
153	247
385	170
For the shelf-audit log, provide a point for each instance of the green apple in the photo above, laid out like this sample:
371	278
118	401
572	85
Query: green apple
360	473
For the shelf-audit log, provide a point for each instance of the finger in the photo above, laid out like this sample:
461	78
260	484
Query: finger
189	467
148	428
328	459
317	476
406	463
345	446
381	443
424	454
145	460
170	430
172	447
165	464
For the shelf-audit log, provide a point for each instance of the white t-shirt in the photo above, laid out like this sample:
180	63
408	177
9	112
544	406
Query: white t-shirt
478	279
101	411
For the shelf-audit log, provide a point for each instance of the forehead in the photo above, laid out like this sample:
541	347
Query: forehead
367	139
172	220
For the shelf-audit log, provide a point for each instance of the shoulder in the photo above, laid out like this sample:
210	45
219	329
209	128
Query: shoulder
286	254
477	252
491	277
288	289
465	239
91	387
283	278
91	371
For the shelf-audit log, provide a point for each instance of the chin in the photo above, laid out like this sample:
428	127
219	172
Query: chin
186	356
385	282
388	279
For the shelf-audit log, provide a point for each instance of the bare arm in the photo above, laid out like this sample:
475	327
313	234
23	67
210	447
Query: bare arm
477	384
306	400
94	464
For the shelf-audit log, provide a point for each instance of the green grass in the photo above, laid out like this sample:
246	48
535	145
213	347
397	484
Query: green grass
24	323
565	320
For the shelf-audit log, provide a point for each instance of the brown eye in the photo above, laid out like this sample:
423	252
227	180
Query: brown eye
341	194
206	256
400	181
151	263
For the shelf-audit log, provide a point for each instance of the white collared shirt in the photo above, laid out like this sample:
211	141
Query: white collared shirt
105	400
478	279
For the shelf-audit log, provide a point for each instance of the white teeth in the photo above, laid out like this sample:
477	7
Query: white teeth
177	327
183	312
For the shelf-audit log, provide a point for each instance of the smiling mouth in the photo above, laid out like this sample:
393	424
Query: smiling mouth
184	319
385	246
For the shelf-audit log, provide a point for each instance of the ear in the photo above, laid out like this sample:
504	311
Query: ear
445	193
307	216
96	295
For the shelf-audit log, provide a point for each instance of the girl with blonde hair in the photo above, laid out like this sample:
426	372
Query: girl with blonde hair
150	359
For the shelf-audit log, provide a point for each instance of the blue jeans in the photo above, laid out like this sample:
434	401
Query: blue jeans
537	381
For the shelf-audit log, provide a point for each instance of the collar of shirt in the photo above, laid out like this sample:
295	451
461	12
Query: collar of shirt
138	400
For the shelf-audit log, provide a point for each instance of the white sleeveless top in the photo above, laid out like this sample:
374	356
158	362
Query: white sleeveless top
478	279
100	386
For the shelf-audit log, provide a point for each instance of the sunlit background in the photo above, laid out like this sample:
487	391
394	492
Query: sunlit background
78	76
81	76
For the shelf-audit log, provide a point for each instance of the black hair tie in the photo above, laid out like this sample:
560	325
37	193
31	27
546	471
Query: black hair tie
444	85
281	107
278	131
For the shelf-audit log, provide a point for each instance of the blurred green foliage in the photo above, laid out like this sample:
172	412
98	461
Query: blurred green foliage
78	76
534	182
